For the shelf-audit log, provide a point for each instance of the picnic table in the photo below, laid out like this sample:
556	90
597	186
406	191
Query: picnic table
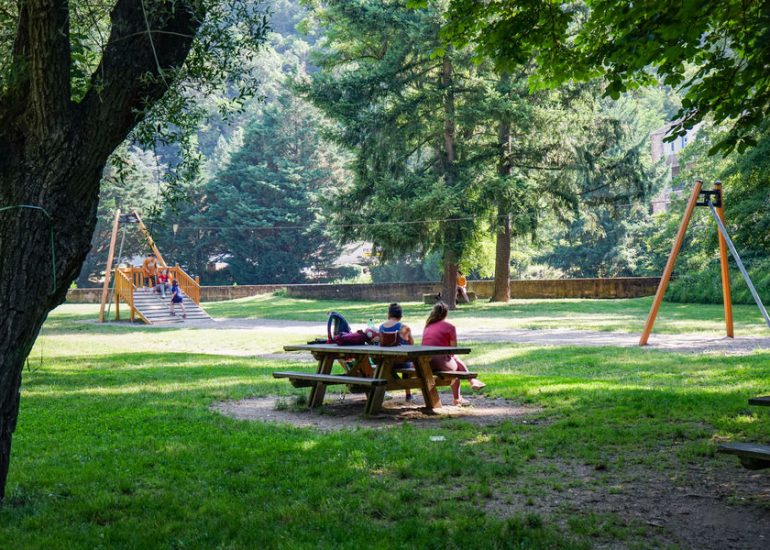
374	370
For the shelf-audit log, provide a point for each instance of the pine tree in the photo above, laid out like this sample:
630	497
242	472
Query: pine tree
409	117
262	210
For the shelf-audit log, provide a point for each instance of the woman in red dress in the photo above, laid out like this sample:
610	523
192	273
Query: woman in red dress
439	332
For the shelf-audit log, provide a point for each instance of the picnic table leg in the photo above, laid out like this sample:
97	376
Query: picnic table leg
376	395
362	367
318	391
374	400
427	383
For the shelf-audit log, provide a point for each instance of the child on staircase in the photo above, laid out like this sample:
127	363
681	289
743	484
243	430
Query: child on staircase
176	298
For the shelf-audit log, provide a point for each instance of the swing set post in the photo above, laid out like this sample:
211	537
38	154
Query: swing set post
669	269
108	270
726	295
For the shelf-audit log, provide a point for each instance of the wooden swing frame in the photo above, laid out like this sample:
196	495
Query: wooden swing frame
669	269
111	256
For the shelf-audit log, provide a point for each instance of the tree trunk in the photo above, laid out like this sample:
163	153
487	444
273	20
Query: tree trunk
502	292
451	233
449	287
52	153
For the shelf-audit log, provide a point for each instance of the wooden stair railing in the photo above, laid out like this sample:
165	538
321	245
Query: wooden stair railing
191	287
124	289
128	280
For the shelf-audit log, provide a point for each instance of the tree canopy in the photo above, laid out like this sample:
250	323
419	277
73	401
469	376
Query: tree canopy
716	52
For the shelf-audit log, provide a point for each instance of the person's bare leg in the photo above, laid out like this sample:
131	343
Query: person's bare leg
475	383
454	365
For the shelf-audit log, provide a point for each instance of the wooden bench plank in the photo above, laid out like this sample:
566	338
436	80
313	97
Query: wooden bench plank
460	375
763	401
752	456
330	379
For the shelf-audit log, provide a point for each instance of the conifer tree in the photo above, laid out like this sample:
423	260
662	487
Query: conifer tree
262	212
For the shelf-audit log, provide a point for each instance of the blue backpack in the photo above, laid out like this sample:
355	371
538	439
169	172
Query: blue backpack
335	325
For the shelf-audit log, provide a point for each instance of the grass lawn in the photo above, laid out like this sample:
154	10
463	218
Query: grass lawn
626	315
116	445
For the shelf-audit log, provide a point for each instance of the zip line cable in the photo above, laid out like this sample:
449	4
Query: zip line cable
347	225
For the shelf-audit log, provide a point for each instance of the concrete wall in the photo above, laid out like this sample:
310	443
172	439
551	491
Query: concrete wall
620	287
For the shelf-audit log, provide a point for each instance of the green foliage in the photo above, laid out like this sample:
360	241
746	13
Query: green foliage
747	211
130	183
704	285
264	206
393	101
447	148
408	269
715	51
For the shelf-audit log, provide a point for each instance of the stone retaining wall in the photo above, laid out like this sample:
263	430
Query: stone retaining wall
620	287
208	293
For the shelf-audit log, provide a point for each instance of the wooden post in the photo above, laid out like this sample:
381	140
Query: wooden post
108	270
117	307
670	263
723	260
147	235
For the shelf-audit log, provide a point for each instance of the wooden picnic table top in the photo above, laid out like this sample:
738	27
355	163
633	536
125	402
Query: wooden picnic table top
379	351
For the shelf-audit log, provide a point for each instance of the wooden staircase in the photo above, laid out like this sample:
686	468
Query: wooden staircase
148	305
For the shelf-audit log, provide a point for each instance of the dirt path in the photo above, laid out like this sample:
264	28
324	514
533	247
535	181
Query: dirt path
342	411
687	343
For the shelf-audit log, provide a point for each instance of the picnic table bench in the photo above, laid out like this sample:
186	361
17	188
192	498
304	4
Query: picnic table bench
751	455
374	370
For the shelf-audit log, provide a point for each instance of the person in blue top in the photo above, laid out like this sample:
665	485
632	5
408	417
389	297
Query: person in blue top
395	333
176	298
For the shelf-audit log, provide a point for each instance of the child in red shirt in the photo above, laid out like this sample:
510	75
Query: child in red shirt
439	332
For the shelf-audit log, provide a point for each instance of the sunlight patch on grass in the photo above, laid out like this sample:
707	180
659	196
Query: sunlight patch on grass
149	389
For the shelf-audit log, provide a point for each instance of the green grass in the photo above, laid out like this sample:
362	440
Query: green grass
117	447
626	315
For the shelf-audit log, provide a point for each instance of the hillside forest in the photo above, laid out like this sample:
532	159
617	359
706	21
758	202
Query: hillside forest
363	156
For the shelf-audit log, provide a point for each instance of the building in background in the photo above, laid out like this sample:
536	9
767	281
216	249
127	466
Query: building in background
668	152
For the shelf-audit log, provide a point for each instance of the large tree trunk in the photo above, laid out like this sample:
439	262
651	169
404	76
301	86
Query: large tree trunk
449	286
52	153
502	292
451	233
